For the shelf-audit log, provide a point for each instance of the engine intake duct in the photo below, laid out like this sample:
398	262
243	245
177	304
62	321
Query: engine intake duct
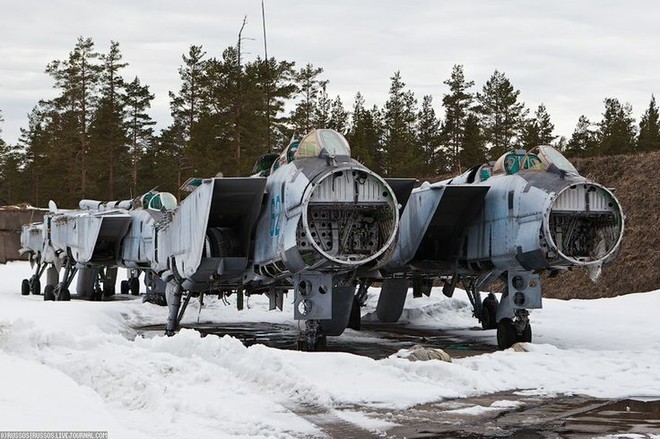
585	223
351	218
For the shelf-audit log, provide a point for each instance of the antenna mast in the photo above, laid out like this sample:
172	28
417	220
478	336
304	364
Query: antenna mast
263	22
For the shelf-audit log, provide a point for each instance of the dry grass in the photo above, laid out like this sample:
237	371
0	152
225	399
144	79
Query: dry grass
636	180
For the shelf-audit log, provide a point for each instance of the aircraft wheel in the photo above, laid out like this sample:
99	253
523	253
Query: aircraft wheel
526	336
124	287
49	292
489	313
97	295
65	295
134	286
35	286
25	287
506	334
355	318
108	290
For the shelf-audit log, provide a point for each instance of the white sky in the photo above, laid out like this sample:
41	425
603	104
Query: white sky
567	55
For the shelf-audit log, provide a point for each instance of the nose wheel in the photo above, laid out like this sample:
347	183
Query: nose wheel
510	332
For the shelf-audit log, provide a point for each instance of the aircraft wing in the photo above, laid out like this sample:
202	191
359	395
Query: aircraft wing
432	222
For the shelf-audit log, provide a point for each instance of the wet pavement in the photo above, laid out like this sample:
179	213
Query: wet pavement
391	338
502	415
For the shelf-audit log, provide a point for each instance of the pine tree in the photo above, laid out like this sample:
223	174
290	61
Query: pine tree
139	125
429	138
583	141
538	130
162	165
310	88
323	108
108	134
402	155
649	129
78	78
365	136
338	116
616	131
457	106
273	82
219	132
186	110
186	104
473	144
501	114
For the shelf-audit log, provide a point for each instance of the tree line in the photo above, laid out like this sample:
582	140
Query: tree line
96	139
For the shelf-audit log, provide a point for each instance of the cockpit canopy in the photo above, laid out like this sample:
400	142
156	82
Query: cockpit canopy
318	143
322	143
541	158
159	201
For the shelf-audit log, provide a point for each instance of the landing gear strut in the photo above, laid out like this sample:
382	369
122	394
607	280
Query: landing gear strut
61	290
485	310
33	284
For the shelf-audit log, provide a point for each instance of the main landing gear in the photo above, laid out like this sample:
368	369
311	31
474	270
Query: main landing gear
510	320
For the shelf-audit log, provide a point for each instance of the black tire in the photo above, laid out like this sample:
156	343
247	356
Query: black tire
134	286
49	292
321	343
489	313
36	286
25	287
108	289
65	295
124	287
218	243
526	336
354	321
506	334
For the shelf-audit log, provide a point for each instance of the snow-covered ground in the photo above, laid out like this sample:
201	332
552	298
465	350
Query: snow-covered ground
81	366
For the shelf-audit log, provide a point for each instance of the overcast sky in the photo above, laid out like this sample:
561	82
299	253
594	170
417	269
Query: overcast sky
568	55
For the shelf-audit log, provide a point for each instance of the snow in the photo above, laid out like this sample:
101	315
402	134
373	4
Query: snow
82	366
477	410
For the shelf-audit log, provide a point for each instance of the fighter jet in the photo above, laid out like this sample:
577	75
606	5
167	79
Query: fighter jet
312	220
527	214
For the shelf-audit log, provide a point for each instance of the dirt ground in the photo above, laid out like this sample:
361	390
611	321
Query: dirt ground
636	181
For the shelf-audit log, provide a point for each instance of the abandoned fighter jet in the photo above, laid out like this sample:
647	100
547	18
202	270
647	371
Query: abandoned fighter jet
313	222
528	213
87	242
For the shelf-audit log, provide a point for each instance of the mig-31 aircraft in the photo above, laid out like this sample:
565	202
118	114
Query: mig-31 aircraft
528	213
313	221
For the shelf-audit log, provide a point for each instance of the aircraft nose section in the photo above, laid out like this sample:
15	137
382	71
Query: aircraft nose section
585	224
350	218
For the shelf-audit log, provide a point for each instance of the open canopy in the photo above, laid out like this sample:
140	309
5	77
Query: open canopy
540	158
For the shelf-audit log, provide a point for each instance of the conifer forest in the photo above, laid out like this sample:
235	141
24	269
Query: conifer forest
96	138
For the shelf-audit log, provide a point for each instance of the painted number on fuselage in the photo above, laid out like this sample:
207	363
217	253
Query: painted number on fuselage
275	214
